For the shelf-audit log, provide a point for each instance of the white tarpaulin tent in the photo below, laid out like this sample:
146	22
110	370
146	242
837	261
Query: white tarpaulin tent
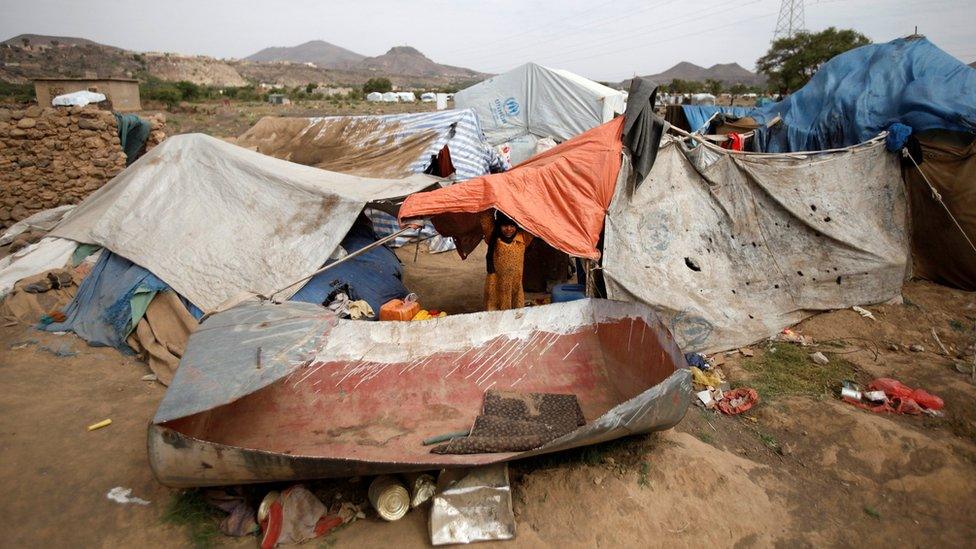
532	102
757	242
213	219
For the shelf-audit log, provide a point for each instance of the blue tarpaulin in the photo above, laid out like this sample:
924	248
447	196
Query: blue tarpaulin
104	310
375	276
697	115
860	93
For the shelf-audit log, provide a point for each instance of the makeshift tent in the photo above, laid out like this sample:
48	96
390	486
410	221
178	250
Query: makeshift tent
560	195
755	243
406	97
379	146
860	93
428	97
940	248
532	102
374	96
390	97
375	146
213	220
698	115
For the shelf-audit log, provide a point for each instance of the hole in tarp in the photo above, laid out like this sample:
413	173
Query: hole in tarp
813	207
838	280
776	286
827	219
690	263
799	273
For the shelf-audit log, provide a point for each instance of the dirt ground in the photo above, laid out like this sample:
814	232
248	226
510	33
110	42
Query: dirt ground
800	469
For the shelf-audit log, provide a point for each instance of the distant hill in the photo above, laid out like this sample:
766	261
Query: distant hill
55	56
973	64
319	52
405	60
44	40
727	73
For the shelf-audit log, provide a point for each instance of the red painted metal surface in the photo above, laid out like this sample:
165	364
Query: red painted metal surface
331	417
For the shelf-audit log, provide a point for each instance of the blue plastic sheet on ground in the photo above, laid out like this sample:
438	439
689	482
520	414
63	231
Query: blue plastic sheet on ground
375	276
860	93
101	313
697	115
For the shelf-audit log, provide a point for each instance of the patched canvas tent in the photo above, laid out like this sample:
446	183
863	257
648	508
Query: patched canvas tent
213	220
533	102
913	83
753	243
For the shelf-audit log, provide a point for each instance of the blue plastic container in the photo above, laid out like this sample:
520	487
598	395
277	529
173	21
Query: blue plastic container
568	292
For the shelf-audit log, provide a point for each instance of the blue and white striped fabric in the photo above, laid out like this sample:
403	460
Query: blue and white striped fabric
470	154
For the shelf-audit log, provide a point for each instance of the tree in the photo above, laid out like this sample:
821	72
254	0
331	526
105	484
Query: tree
714	86
378	85
188	90
310	87
791	62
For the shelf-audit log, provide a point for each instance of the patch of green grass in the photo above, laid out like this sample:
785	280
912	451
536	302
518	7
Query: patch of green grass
769	440
957	325
642	476
789	371
704	437
189	509
872	512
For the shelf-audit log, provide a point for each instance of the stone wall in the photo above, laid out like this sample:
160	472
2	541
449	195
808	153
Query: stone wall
54	156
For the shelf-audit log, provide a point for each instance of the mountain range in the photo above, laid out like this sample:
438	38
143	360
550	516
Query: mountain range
728	73
29	56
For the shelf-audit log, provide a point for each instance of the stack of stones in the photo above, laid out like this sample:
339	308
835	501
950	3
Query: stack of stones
57	155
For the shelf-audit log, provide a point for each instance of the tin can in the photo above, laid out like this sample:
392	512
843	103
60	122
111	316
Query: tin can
389	497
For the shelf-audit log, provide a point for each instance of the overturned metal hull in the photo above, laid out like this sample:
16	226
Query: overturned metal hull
287	392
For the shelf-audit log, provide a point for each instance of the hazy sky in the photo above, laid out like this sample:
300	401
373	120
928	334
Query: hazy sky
601	40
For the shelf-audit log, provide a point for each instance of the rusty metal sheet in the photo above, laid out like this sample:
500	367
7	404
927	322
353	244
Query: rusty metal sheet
337	397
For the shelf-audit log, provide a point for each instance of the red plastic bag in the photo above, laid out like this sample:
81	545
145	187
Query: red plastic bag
738	400
891	387
926	399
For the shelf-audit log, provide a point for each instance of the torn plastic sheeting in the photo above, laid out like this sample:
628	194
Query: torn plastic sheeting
472	505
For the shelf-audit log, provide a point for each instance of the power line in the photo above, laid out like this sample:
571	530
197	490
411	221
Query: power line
564	55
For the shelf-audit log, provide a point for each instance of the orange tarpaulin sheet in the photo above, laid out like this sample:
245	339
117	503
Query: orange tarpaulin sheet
561	195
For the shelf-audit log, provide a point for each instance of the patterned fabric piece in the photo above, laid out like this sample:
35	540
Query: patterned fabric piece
517	422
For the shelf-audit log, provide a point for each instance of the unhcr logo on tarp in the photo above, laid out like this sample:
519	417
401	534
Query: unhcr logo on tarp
511	106
502	110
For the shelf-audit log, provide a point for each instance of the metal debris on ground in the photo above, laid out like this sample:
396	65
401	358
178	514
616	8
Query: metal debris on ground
472	505
422	487
389	497
894	398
